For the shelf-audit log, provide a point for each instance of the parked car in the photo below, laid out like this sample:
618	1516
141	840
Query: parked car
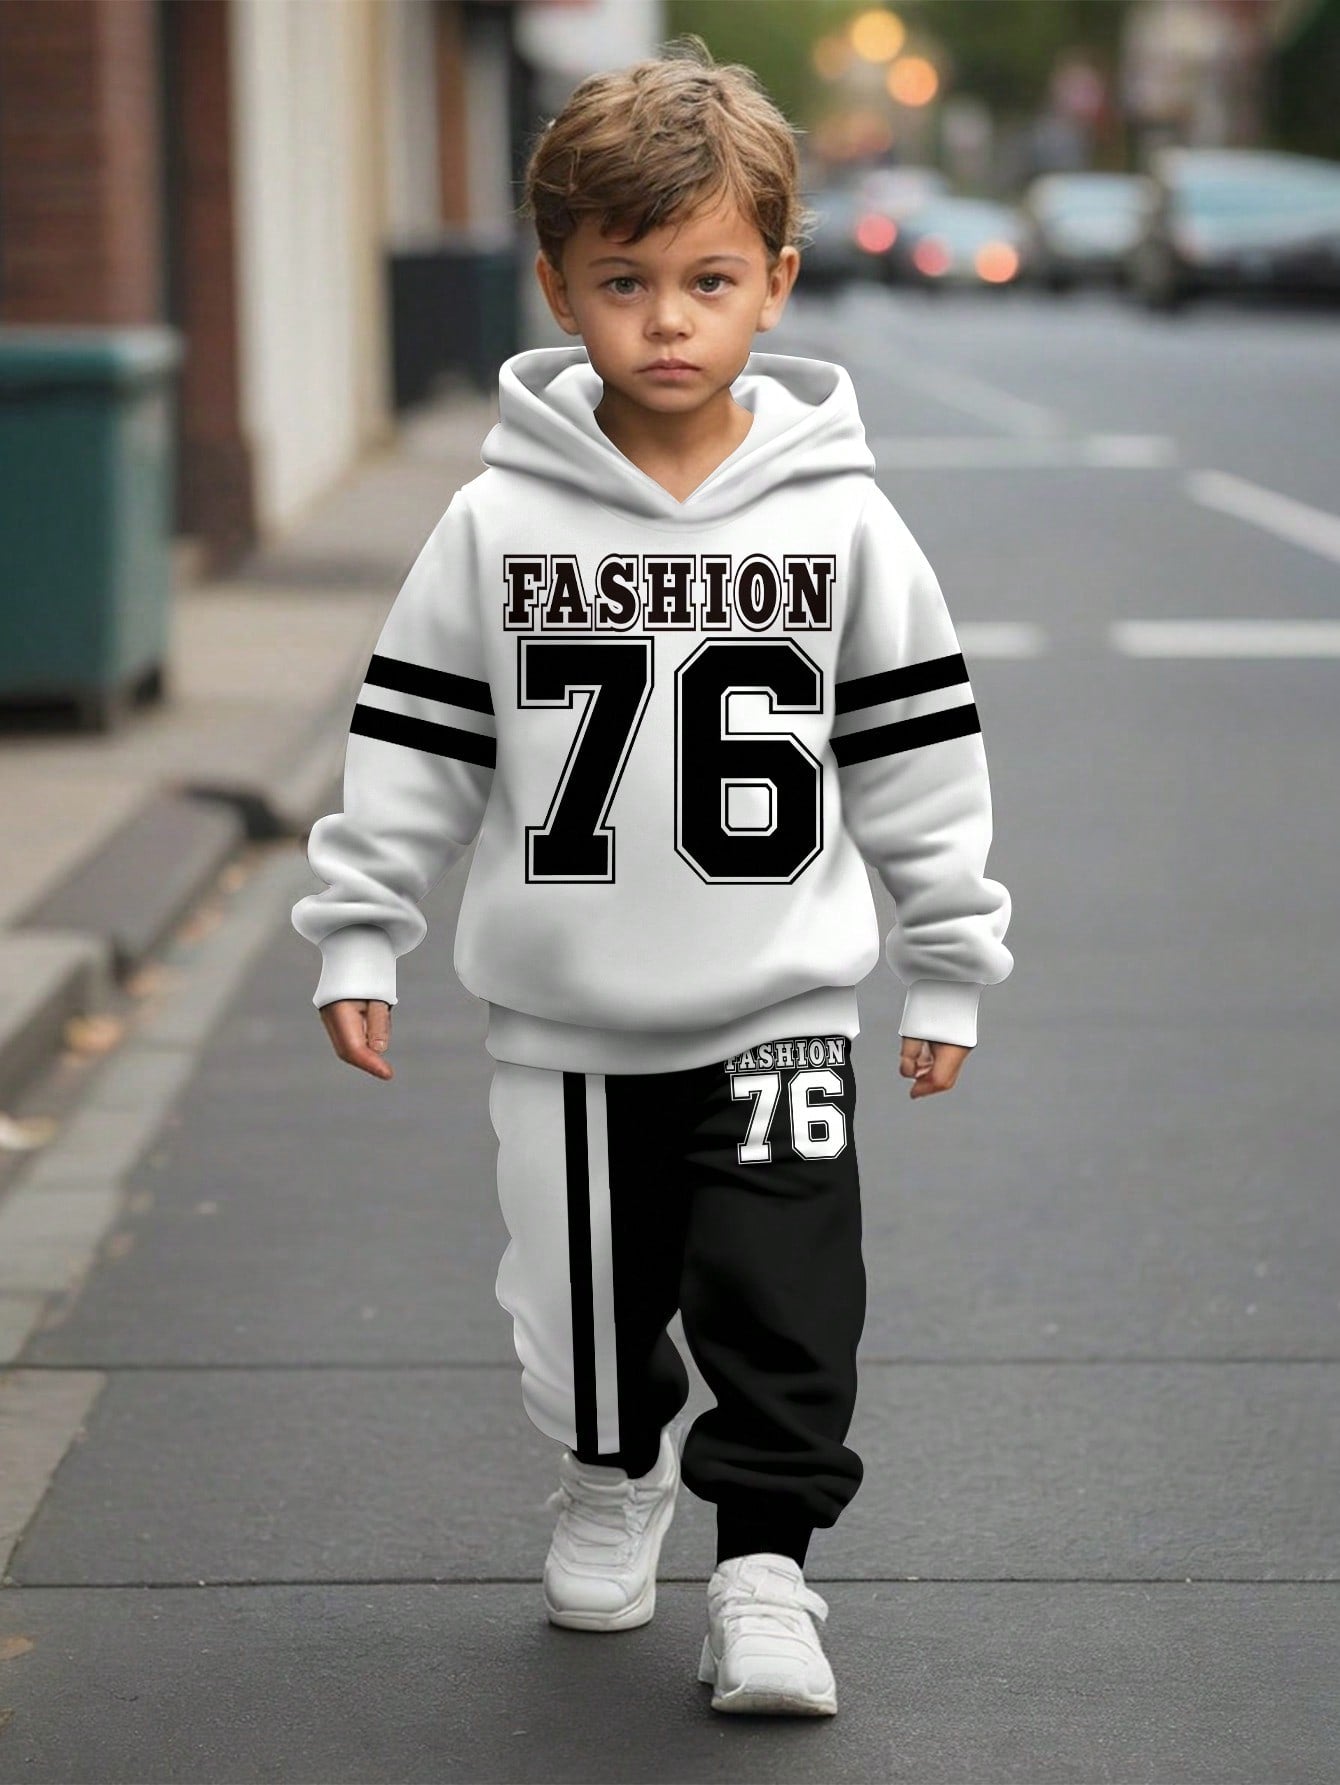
1237	220
1079	228
958	241
898	191
850	238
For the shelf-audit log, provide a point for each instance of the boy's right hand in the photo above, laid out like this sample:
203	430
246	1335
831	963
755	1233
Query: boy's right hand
360	1032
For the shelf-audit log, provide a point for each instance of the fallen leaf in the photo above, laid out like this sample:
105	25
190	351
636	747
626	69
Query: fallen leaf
96	1034
200	923
153	976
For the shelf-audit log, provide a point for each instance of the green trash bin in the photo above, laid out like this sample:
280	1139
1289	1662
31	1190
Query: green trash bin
86	515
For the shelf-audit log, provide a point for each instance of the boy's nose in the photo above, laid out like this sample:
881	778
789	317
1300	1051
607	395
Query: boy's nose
667	318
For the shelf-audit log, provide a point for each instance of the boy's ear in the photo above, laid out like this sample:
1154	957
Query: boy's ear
555	291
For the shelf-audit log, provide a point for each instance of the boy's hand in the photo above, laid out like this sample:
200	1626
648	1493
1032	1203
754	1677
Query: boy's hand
360	1031
935	1065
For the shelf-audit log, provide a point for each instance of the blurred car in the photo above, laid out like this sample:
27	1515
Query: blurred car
1237	220
898	191
1079	228
850	237
958	241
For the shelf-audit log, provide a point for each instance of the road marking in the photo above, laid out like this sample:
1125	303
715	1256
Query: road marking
999	408
1002	638
968	452
1226	638
947	384
1312	528
1122	452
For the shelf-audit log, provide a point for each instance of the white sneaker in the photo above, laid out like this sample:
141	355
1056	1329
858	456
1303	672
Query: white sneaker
762	1651
600	1573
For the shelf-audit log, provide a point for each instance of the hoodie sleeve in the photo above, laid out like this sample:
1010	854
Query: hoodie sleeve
417	772
915	793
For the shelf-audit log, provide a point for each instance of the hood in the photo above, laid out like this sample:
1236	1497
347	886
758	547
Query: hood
806	425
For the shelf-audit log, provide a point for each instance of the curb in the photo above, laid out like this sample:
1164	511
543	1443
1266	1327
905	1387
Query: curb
91	930
299	791
46	977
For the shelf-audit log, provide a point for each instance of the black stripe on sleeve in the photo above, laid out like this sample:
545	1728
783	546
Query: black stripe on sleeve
906	734
429	684
898	684
422	734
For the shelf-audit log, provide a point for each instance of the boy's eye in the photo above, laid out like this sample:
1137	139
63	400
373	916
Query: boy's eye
629	279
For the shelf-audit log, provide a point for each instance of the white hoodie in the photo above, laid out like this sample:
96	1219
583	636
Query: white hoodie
676	728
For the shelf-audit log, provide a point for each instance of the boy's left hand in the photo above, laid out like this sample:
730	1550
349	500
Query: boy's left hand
935	1065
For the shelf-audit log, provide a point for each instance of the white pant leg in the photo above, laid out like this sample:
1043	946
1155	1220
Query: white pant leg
561	1303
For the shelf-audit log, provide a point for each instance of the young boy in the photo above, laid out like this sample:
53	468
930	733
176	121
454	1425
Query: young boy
679	665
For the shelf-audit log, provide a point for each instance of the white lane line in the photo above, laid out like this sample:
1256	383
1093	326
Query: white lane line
1001	638
1129	451
973	396
1312	528
955	388
1226	638
968	452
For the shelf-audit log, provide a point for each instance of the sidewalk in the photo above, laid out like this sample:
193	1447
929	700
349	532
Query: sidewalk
110	839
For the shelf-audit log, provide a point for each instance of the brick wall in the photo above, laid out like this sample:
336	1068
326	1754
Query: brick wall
80	226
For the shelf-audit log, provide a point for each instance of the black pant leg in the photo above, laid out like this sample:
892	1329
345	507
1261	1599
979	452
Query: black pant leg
639	1156
773	1294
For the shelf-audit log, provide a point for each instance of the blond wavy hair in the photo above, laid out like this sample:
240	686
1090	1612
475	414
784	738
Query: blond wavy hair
640	147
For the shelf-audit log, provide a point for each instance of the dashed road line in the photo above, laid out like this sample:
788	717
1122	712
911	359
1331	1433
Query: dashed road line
1002	638
1225	638
1313	528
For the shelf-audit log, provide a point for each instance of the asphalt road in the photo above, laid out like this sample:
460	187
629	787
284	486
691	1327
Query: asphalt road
1099	1534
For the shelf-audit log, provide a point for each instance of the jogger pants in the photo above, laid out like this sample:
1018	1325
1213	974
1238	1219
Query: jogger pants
729	1192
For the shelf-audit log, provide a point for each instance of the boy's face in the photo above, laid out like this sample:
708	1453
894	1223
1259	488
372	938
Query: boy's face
698	290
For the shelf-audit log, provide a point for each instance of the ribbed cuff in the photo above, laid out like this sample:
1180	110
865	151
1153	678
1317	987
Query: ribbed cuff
941	1010
357	962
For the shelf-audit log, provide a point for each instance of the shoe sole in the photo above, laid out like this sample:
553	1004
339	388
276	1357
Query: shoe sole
778	1701
638	1611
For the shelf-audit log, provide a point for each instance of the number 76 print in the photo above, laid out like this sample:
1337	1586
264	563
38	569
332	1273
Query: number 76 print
784	834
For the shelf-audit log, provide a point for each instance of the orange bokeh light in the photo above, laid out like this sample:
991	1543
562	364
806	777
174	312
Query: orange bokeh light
996	262
877	35
912	80
831	57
